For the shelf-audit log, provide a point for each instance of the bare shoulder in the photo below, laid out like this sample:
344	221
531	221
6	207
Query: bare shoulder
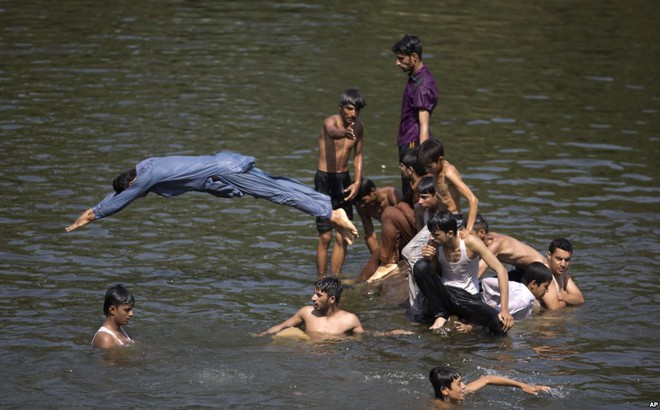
474	242
103	340
306	311
450	170
331	121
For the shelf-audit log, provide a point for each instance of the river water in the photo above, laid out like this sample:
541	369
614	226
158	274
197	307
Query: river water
548	108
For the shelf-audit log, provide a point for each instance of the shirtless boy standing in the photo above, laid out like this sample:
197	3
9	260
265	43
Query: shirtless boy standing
341	133
325	317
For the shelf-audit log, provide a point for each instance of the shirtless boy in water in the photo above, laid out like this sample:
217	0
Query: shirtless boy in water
507	249
325	317
563	291
118	309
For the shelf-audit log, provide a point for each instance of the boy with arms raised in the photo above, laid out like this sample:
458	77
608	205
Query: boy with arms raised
325	317
341	133
118	309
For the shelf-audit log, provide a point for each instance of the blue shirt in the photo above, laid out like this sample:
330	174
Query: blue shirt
175	175
421	93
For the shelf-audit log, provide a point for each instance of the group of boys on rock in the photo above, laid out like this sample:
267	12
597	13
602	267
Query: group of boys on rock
447	251
422	223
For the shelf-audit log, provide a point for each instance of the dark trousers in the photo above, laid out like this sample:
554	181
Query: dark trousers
444	301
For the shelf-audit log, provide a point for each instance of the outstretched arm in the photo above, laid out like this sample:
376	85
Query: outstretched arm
503	381
85	218
369	231
294	321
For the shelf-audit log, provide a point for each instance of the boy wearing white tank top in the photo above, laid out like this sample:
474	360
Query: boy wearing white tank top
447	275
118	310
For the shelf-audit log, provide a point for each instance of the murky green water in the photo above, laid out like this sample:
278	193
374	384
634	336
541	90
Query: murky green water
549	109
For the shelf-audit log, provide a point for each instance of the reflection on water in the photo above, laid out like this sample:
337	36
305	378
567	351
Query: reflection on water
549	110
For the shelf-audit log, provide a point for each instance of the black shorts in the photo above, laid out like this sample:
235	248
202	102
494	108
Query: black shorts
333	185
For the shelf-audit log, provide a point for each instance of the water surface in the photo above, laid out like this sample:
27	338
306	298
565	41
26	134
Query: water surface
548	109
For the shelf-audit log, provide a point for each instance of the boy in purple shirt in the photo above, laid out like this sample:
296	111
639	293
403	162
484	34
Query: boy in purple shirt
419	97
224	175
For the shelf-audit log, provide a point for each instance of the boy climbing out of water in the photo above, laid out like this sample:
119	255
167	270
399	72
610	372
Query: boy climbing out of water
397	221
448	183
535	281
522	295
324	317
341	133
507	249
118	310
449	387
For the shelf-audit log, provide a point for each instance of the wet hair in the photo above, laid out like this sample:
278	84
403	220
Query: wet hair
330	286
444	221
353	97
123	180
441	378
480	223
116	296
538	272
561	243
411	160
430	151
426	185
366	187
408	45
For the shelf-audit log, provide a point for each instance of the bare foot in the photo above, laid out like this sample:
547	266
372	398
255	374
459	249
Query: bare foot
382	271
344	225
439	322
